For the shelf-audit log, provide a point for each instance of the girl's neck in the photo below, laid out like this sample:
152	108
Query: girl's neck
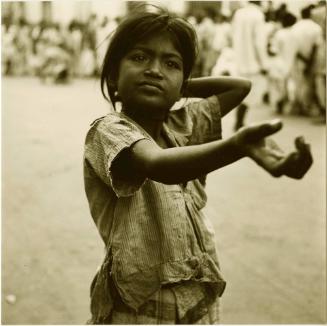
152	126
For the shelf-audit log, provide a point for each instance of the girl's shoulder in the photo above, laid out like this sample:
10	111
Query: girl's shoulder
116	124
109	118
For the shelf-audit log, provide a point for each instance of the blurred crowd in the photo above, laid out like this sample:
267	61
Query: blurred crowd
288	51
283	53
53	51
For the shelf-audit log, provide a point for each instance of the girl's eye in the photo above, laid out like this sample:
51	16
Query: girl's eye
173	64
138	57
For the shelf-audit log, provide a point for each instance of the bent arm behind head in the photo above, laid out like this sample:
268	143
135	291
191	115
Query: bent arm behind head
230	91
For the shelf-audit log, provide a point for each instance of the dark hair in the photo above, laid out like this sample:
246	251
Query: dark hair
306	12
288	19
258	3
137	27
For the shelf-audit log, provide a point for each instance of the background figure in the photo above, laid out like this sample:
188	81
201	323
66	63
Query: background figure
222	36
87	62
205	29
225	64
208	32
55	54
75	37
87	65
8	50
281	11
318	15
307	35
56	64
13	56
250	48
283	47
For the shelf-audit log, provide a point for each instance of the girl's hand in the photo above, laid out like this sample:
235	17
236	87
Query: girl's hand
266	153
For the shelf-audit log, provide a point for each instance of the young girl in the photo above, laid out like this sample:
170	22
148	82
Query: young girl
145	169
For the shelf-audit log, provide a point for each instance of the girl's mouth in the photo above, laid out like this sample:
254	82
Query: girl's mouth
151	86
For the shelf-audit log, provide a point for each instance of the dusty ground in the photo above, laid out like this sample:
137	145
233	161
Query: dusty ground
271	233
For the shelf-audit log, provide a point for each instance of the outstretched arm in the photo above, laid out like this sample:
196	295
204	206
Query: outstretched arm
230	91
181	164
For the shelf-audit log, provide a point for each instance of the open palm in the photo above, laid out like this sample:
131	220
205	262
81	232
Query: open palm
266	153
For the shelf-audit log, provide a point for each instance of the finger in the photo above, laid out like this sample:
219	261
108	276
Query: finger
301	145
299	166
304	150
304	163
259	131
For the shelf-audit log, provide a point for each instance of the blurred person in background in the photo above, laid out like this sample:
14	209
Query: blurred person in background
55	67
318	15
250	49
8	49
88	60
222	35
14	57
199	21
90	30
270	27
207	32
55	56
75	36
307	35
225	63
283	53
25	46
281	11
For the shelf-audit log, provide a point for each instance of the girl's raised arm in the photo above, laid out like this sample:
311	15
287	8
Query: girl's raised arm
230	91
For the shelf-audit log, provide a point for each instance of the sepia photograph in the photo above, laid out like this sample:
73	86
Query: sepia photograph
163	162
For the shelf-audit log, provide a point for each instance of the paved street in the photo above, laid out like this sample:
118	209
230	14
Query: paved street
271	233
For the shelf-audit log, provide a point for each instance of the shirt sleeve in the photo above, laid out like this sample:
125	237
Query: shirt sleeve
206	120
105	141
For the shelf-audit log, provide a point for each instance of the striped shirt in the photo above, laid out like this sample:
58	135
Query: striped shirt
155	234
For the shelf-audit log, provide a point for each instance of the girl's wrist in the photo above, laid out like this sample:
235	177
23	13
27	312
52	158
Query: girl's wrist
238	147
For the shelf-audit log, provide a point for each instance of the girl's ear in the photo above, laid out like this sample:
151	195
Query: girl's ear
117	96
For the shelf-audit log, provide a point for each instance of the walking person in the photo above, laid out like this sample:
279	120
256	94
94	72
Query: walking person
284	53
308	35
222	37
318	15
144	173
250	49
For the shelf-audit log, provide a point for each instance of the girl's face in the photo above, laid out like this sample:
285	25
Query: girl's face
150	77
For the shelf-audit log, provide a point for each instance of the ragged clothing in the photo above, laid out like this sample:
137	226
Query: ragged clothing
164	307
155	234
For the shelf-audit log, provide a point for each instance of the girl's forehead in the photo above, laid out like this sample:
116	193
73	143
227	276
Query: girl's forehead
163	40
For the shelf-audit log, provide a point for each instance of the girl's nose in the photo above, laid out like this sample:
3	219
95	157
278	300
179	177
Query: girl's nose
154	70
